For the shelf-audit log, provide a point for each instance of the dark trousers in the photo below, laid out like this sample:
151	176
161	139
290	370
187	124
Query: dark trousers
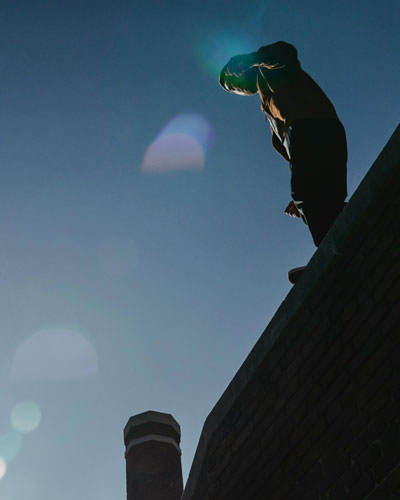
318	158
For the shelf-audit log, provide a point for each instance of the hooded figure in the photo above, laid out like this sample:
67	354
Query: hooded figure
305	129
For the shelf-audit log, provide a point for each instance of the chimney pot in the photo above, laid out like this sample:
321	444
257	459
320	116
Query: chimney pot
153	457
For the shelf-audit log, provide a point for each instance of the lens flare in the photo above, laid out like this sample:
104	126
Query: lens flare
25	417
3	468
10	445
181	145
191	124
173	152
55	353
215	51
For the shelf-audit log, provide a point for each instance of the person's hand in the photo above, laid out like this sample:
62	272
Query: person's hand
292	210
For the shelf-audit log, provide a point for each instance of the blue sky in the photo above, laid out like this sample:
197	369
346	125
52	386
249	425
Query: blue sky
143	243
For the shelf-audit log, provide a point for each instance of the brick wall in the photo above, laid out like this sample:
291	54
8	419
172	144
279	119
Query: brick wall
314	411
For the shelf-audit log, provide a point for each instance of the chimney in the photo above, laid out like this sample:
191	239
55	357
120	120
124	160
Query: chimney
153	457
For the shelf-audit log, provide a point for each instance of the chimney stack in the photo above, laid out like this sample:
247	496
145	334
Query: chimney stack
153	457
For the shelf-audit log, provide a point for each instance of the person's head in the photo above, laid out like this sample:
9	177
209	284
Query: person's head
286	52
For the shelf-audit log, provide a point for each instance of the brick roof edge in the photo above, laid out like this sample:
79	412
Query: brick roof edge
381	172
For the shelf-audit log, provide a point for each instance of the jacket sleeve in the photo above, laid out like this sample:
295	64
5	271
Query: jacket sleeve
240	74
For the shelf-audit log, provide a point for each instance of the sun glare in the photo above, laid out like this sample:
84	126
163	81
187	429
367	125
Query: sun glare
215	51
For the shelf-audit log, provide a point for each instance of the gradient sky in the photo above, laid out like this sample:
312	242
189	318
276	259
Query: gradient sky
143	243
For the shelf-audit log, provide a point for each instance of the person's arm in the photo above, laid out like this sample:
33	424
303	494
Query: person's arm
240	74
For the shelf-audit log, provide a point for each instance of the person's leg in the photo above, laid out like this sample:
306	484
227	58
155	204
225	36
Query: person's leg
318	166
320	215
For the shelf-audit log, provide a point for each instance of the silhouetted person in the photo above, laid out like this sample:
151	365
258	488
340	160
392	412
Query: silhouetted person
305	128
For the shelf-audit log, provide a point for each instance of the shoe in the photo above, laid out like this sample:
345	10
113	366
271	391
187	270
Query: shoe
294	274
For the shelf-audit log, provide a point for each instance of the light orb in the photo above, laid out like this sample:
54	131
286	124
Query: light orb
54	354
25	417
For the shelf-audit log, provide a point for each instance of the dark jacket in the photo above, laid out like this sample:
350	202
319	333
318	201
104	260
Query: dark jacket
287	92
